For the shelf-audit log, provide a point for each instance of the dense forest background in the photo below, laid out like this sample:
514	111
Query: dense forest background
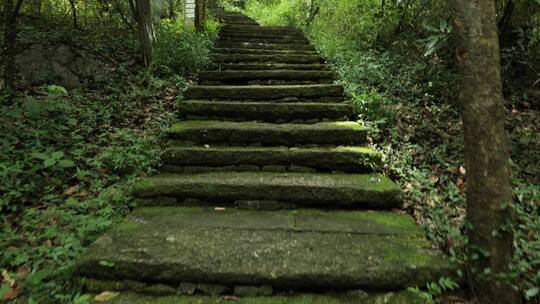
86	117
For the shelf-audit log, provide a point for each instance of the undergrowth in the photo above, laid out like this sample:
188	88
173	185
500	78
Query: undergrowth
68	158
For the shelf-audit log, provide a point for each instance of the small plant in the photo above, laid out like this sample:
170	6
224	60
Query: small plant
435	289
183	51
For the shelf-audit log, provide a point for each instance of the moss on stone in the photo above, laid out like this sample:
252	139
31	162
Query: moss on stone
351	298
308	189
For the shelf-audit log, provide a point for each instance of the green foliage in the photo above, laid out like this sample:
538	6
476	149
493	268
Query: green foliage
68	161
183	51
435	289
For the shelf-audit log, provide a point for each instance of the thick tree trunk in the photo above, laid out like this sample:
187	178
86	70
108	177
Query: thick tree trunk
486	150
10	38
146	29
200	14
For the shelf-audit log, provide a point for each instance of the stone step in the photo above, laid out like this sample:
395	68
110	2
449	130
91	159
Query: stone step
242	23
246	76
235	34
345	159
260	32
264	111
310	190
227	18
258	28
274	58
268	134
265	46
286	92
283	250
245	297
263	40
263	51
269	66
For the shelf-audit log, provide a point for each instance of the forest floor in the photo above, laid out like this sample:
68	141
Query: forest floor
66	166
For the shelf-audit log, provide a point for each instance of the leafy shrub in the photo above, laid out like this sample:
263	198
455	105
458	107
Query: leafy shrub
183	51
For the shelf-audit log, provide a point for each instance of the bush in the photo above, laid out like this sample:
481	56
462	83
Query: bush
183	51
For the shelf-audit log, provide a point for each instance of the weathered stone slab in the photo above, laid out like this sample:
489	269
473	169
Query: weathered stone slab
263	92
259	35
263	51
268	74
154	245
348	159
273	58
323	133
269	66
307	189
266	46
264	111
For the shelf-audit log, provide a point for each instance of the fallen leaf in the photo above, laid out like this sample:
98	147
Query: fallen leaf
105	296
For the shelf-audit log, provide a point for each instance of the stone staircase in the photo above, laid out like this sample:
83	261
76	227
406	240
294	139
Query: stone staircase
267	194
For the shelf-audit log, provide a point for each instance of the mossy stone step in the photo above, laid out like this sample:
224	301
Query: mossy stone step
241	23
302	189
347	159
260	32
262	51
346	298
292	92
226	76
274	58
265	46
255	35
261	28
264	111
268	134
346	250
264	40
269	66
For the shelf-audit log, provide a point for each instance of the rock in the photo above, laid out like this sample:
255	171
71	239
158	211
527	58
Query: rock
187	288
253	291
213	289
59	64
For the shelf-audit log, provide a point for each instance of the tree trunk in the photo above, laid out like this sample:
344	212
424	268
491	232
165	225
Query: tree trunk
74	13
10	38
486	150
200	14
146	29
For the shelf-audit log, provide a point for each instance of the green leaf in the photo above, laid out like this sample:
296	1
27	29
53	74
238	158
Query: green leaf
4	290
107	264
34	108
49	162
66	163
57	155
57	90
530	293
39	155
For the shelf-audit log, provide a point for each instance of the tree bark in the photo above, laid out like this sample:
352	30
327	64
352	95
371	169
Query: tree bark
200	14
11	11
486	150
146	29
74	13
